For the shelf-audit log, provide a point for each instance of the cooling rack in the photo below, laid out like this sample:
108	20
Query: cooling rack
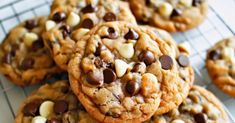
199	39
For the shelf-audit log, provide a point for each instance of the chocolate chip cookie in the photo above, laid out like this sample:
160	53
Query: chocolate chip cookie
70	19
124	72
201	106
170	15
23	57
53	103
185	70
220	64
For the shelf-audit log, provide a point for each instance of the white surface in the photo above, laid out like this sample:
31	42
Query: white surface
219	24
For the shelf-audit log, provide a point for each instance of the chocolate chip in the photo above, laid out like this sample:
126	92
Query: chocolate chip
197	2
27	63
30	24
98	63
99	49
14	47
110	17
200	118
147	2
147	57
66	31
183	61
37	45
31	109
131	35
214	55
176	12
94	78
132	87
64	89
87	23
60	107
59	16
115	115
109	75
54	120
112	33
136	67
7	58
166	62
88	9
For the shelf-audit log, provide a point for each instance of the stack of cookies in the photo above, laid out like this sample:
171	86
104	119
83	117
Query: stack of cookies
121	67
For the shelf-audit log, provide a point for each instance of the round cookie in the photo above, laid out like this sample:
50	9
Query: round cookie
70	19
53	103
201	106
170	15
121	73
185	70
220	64
23	57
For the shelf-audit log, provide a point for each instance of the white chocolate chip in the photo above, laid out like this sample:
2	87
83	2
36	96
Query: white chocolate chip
46	108
126	50
73	19
165	9
186	3
50	24
228	54
79	33
81	3
177	121
120	67
39	119
29	38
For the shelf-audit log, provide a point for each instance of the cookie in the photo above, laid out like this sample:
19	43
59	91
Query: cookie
70	19
123	72
171	15
201	106
185	71
23	57
220	63
53	103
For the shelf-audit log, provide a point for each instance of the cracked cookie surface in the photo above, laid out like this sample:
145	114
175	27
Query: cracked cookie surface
53	103
121	71
70	19
170	15
23	57
201	106
220	64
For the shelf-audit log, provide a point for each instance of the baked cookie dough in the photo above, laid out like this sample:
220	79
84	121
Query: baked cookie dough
220	64
124	71
53	103
23	57
186	73
70	19
170	15
201	106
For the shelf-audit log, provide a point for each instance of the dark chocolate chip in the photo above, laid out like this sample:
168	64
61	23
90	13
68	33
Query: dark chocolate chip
31	109
200	118
27	63
183	61
147	2
214	55
66	30
59	16
166	62
136	67
98	63
88	9
147	57
54	120
131	35
197	2
109	75
115	115
112	33
87	23
7	58
60	107
176	12
30	24
38	44
64	89
99	49
132	87
110	17
94	78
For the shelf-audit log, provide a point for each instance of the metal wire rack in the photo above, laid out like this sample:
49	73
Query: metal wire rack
199	39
